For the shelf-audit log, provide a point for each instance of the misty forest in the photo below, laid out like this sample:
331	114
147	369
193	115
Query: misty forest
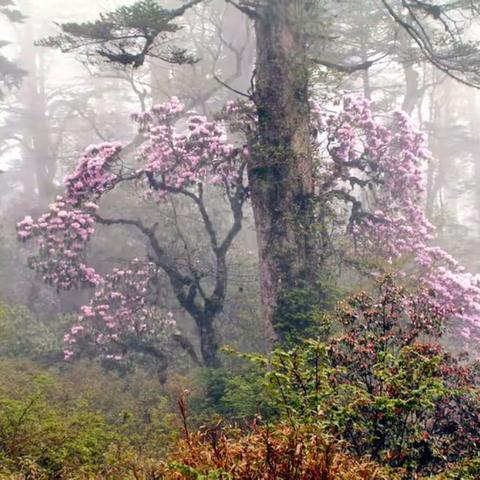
240	239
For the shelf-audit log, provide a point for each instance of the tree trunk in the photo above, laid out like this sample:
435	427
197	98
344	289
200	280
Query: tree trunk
411	88
475	129
411	76
208	341
367	88
39	160
281	168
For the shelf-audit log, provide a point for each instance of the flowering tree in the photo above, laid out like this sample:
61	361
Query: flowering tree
170	163
282	175
385	385
386	163
281	170
368	185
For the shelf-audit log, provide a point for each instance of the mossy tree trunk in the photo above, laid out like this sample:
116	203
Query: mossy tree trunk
281	173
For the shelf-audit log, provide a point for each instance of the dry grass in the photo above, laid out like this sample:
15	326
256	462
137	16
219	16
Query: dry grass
265	454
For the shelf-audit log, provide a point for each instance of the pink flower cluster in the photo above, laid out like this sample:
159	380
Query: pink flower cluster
93	175
61	236
63	233
181	157
163	112
382	167
121	309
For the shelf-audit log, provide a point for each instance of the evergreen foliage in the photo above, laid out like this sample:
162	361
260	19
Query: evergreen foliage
10	73
125	36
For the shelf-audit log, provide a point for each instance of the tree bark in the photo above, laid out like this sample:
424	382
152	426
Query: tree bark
281	168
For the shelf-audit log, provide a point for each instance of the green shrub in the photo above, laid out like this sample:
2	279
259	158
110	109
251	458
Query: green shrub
81	422
466	470
236	393
385	386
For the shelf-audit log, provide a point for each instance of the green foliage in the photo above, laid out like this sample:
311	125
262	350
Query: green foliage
196	474
236	394
382	400
35	430
24	335
79	423
468	470
124	36
301	312
384	386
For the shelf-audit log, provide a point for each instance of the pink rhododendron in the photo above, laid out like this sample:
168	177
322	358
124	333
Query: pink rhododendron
121	311
93	175
61	235
174	159
370	172
389	161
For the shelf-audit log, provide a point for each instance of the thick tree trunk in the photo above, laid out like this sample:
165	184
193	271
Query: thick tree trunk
281	168
208	341
411	75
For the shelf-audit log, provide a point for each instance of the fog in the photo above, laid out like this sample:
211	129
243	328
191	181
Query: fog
193	238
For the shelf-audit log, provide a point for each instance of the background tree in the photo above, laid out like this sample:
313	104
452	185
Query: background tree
10	73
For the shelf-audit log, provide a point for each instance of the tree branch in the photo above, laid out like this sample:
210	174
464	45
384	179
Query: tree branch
423	42
247	10
345	68
234	90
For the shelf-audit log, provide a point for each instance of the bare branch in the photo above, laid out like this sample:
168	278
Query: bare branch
234	90
421	38
249	11
344	68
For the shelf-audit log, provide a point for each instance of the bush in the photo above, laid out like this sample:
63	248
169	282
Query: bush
33	431
385	386
236	394
281	452
23	335
383	400
80	423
